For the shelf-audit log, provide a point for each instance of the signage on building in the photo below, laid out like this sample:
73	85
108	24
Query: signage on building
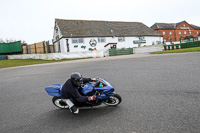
93	42
184	27
139	41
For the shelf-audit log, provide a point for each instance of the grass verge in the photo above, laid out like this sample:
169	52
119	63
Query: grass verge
194	49
23	62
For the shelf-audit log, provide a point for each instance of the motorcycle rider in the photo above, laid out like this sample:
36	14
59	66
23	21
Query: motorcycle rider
70	90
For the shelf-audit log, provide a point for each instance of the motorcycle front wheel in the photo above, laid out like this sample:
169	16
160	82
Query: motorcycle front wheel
114	100
57	101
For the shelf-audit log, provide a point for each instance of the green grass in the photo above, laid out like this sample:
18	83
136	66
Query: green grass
194	49
23	62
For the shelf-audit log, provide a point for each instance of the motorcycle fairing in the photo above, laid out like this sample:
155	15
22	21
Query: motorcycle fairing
54	90
107	90
87	89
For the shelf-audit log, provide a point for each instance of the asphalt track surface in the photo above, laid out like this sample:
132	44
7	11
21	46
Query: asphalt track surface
161	94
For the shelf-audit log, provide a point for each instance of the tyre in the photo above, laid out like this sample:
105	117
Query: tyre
114	100
57	101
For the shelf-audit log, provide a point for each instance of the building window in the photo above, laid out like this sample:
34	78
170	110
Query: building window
58	43
101	39
56	30
141	38
170	33
184	25
121	39
158	42
77	40
190	32
163	32
179	32
185	32
197	32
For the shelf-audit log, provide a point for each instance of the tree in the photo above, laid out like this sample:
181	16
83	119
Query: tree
2	41
10	40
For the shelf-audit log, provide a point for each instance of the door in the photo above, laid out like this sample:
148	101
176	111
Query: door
67	44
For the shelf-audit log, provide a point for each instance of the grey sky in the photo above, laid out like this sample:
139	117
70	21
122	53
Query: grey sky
33	20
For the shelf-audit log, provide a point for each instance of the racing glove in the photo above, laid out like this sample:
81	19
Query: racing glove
94	79
92	98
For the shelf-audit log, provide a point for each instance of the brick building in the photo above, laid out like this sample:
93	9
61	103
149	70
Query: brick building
172	32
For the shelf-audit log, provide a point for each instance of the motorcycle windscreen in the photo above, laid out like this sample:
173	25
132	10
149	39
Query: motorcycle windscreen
54	90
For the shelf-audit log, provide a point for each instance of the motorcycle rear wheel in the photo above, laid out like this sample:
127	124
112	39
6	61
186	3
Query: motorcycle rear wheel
57	101
114	100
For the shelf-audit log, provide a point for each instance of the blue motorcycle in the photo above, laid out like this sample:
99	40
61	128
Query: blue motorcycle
102	88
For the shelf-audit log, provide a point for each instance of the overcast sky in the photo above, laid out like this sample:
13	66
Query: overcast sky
33	20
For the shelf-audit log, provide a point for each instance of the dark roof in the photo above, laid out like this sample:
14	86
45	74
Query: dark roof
159	26
93	28
195	27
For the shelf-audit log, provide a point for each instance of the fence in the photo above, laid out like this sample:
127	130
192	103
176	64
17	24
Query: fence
184	45
60	56
114	52
39	48
11	48
190	44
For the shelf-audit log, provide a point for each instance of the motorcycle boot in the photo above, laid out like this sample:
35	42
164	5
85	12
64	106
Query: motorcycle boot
72	107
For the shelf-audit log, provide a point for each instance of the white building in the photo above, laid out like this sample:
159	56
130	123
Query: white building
86	35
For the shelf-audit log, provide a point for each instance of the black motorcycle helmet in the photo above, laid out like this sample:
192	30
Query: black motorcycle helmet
76	78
